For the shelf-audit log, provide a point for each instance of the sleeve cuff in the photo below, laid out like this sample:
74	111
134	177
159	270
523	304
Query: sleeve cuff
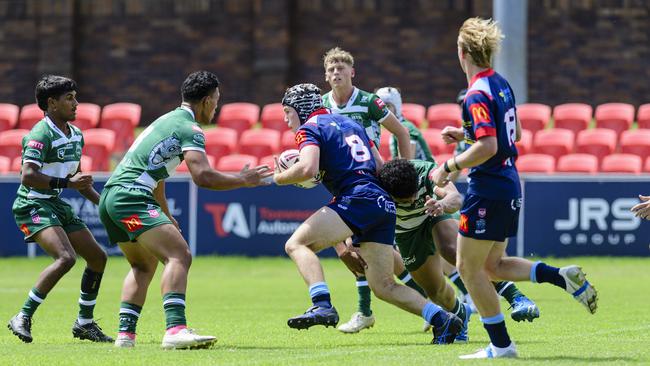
485	131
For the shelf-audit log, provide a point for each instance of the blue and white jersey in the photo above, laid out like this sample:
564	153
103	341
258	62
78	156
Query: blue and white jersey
345	156
489	110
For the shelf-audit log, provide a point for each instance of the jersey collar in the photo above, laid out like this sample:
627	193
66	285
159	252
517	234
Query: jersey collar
188	110
317	112
485	73
56	129
353	97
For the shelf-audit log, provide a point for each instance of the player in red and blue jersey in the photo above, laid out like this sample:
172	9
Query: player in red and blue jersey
490	211
339	148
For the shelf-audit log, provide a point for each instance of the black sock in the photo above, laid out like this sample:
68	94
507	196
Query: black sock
546	273
498	333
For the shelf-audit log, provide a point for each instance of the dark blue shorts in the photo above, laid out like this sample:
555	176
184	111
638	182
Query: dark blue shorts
485	219
370	217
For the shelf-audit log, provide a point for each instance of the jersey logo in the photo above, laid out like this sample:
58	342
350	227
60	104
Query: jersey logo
163	152
35	144
301	137
479	113
24	229
462	225
380	103
132	223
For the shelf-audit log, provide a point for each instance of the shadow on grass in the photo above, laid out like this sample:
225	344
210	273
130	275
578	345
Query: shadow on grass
590	359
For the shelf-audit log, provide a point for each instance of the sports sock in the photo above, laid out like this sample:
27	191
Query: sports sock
496	328
406	279
34	299
90	282
174	305
455	278
540	272
320	295
129	315
364	296
508	290
434	314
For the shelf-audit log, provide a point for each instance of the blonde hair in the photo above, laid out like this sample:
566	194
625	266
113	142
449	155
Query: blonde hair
480	38
337	54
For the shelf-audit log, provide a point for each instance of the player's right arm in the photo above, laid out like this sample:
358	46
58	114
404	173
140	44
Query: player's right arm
205	177
306	167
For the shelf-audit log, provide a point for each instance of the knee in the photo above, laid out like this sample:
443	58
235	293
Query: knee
184	257
467	272
100	259
66	261
448	253
291	246
384	288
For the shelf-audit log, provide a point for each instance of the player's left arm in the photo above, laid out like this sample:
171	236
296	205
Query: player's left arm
379	161
159	196
393	125
306	167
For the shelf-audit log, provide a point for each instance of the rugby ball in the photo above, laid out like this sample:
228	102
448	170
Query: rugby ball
290	157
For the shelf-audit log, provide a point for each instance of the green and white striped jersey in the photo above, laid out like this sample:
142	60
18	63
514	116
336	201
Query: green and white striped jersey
57	154
158	150
365	108
422	151
410	216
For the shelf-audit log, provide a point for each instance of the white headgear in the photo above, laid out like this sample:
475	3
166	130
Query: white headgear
391	95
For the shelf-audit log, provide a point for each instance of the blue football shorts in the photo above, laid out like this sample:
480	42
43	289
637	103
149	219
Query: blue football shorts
371	217
485	219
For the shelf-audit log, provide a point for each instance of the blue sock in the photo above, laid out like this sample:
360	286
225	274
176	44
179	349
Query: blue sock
496	328
541	272
320	295
434	314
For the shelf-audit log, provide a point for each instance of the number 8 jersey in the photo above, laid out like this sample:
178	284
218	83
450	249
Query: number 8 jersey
489	110
345	157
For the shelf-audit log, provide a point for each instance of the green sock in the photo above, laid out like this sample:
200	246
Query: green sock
364	296
90	282
455	278
406	278
129	315
459	310
508	290
34	299
174	305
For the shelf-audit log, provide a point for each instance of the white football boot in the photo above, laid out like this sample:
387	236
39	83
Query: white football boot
125	340
493	352
357	323
578	286
186	338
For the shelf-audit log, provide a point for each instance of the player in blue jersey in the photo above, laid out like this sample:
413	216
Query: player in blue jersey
341	150
490	211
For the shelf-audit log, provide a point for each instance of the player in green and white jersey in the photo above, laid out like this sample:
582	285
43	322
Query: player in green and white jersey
50	162
134	209
369	111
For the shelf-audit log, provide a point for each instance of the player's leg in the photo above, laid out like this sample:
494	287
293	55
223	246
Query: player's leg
87	247
55	243
403	274
321	230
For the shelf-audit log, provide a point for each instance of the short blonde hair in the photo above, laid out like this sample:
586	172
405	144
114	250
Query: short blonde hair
480	38
337	54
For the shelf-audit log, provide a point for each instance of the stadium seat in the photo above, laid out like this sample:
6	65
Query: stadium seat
615	116
8	116
622	163
599	142
384	145
534	116
536	163
577	163
260	142
87	116
5	165
269	161
525	144
643	116
220	142
235	163
444	114
555	142
415	113
182	167
572	116
288	141
646	166
121	118
86	163
30	114
16	164
273	117
99	144
434	139
441	158
238	116
636	142
11	143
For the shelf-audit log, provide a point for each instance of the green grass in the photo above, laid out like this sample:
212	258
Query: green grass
245	303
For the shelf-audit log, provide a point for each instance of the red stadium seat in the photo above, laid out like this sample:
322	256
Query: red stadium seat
444	114
415	113
534	116
260	142
536	163
615	116
525	144
238	116
288	141
5	165
384	145
11	143
555	142
30	114
182	167
269	161
577	163
86	163
646	166
87	116
599	142
121	118
220	142
273	117
16	164
636	142
8	116
622	163
572	116
441	158
99	144
643	116
235	163
434	139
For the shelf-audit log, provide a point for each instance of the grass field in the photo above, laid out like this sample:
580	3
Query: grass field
245	303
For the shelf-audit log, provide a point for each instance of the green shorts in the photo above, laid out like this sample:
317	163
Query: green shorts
416	245
34	215
128	212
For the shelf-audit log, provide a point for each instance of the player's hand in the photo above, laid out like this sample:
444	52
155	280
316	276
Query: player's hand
451	135
433	207
439	177
80	181
258	176
353	260
642	209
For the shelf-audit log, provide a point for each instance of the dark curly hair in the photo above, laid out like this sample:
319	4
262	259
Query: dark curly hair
198	85
399	178
52	86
